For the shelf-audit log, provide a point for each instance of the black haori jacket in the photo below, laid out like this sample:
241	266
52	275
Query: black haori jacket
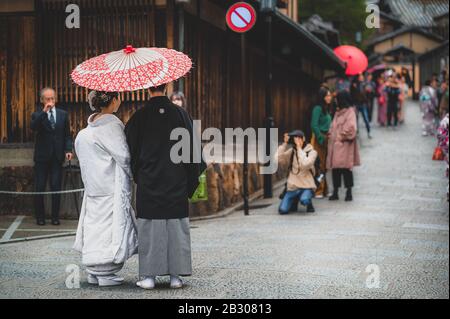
163	187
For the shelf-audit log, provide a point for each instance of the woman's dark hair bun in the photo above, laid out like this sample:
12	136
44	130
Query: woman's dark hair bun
101	99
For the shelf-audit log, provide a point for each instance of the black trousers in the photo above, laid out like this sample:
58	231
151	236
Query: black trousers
392	111
337	175
370	105
43	170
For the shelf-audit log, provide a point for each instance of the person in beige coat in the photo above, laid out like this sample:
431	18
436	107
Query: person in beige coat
343	151
300	184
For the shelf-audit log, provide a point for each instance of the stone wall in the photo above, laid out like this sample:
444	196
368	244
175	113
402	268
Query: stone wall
225	187
17	175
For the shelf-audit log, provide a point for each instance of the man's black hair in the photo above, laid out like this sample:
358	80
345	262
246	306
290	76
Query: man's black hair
159	88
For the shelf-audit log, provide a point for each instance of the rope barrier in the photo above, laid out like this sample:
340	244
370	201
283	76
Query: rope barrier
42	193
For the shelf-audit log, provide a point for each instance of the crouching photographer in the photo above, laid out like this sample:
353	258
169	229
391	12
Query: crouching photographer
302	180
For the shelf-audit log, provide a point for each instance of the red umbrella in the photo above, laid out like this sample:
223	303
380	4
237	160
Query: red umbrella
357	61
131	69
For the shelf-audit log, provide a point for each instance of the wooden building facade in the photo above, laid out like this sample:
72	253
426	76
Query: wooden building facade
38	50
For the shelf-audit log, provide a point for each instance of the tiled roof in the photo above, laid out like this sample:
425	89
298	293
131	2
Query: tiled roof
418	12
402	30
390	17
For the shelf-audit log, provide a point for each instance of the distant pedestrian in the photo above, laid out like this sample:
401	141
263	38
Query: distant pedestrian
428	105
343	151
179	99
343	84
53	146
359	97
301	158
405	74
393	91
320	126
443	143
371	92
404	93
443	99
436	85
382	102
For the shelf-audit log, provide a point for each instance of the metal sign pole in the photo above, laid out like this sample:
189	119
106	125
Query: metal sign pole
268	189
245	104
241	18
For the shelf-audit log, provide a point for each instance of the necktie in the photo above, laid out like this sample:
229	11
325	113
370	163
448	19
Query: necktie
52	120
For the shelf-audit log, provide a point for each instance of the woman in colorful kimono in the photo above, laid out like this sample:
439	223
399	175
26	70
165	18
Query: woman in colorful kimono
443	142
106	235
428	105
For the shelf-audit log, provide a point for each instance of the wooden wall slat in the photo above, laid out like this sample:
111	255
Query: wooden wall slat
213	87
3	80
30	89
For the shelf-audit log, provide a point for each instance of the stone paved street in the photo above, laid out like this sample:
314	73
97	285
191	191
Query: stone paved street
399	222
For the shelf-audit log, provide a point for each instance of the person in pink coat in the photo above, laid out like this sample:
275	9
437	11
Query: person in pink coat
343	151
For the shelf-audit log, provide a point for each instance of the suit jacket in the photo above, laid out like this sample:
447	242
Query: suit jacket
51	143
163	187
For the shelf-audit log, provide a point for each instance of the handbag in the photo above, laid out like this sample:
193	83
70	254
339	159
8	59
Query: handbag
438	154
201	193
194	170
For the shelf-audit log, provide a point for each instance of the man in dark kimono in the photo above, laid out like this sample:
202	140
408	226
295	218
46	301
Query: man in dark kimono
163	189
53	145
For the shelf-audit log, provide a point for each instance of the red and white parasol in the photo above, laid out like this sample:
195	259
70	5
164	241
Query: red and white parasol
131	69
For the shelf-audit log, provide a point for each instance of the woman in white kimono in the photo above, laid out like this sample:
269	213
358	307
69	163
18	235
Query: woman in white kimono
106	235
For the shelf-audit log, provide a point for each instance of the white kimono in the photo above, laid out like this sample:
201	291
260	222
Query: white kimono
106	234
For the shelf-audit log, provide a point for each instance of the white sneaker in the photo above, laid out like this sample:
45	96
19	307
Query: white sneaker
109	281
148	283
319	196
92	280
175	282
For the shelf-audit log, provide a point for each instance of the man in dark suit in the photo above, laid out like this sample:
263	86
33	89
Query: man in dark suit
53	145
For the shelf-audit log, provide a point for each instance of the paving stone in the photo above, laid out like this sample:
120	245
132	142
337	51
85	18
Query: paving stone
398	222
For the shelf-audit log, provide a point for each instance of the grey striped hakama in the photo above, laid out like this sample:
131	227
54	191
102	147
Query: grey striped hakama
164	247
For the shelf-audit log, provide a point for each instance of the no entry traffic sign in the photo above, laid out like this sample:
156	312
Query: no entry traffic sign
241	17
